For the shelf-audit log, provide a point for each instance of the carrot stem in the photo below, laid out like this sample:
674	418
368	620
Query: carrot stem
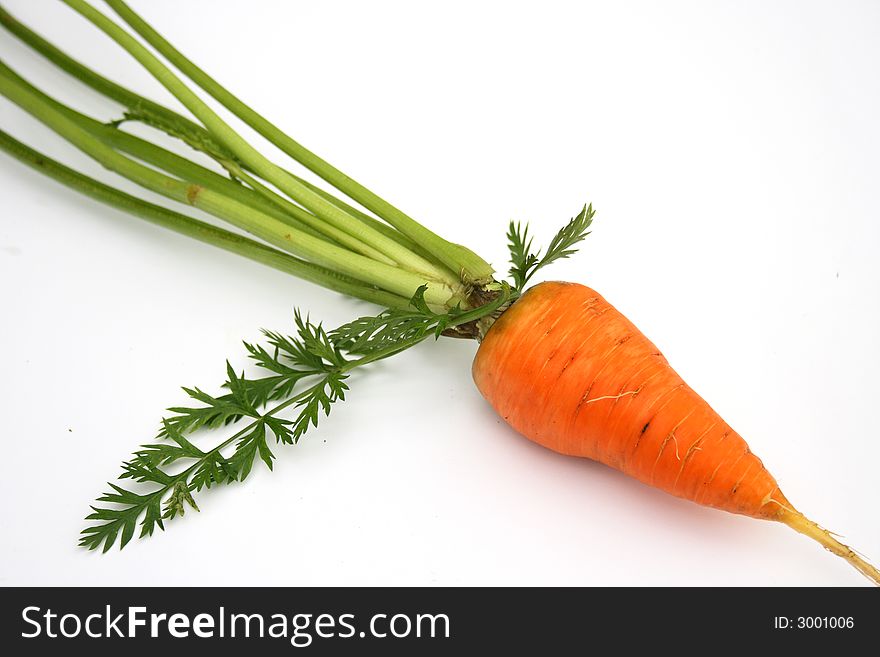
254	160
266	227
171	163
138	103
89	77
199	230
454	256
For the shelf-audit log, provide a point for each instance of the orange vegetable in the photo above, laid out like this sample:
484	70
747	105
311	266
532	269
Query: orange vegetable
567	370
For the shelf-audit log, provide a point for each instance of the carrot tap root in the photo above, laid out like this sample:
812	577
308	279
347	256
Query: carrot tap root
567	370
800	523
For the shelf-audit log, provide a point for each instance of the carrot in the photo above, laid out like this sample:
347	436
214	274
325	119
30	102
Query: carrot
568	371
558	362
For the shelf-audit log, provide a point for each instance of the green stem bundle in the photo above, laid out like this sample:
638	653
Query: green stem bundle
454	256
249	155
262	225
196	229
333	217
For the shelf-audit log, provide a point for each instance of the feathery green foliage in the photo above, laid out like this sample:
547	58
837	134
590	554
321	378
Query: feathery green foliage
322	358
524	263
194	136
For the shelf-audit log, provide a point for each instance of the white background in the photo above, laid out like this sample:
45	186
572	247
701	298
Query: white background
731	151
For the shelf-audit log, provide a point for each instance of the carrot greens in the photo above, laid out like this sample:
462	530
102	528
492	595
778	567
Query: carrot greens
524	263
323	359
428	286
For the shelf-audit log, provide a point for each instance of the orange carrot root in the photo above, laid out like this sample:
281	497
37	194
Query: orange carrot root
800	523
568	371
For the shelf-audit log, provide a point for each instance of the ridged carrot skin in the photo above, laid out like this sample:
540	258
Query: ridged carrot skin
567	370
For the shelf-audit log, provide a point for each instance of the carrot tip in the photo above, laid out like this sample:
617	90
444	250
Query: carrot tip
807	527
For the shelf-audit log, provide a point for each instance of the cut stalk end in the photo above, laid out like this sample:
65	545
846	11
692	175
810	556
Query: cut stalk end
807	527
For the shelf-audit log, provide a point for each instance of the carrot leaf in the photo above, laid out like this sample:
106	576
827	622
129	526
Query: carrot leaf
524	263
324	358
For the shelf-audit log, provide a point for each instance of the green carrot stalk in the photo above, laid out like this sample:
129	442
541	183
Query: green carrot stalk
249	155
143	109
196	229
281	235
164	159
456	257
91	78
